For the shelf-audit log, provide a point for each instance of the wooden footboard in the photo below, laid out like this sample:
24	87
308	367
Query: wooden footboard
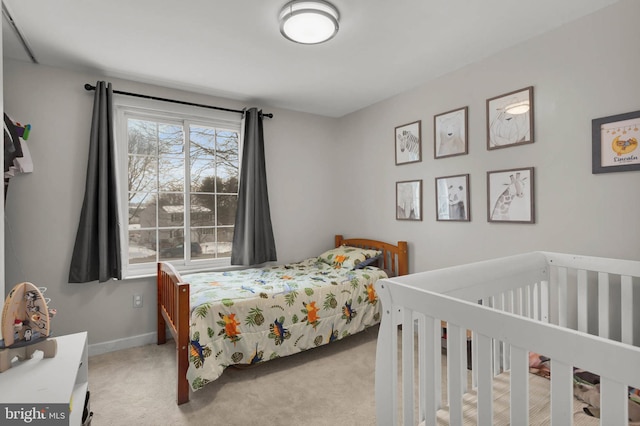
173	313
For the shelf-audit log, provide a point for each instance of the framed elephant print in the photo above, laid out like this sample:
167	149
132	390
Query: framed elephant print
510	119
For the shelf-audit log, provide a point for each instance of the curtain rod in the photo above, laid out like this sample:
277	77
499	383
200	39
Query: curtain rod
137	95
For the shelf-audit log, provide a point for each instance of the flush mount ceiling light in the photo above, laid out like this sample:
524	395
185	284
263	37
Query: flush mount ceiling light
309	22
517	108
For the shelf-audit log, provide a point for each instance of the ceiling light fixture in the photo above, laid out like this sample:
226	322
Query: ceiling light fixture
517	108
309	22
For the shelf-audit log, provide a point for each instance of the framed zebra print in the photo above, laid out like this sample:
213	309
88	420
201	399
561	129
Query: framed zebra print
409	143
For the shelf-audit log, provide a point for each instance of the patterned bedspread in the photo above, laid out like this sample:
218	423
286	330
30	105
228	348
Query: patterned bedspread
253	315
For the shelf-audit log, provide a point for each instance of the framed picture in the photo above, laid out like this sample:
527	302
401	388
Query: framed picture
452	198
615	143
409	200
510	119
450	133
510	196
409	143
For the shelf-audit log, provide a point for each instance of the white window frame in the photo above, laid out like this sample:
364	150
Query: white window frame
170	112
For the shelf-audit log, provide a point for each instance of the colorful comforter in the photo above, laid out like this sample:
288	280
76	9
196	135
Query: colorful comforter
253	315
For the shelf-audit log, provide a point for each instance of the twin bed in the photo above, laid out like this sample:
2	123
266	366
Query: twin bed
575	313
496	318
243	317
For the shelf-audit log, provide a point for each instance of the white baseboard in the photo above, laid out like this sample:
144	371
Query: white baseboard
118	344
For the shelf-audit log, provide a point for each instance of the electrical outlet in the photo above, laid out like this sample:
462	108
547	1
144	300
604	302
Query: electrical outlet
137	301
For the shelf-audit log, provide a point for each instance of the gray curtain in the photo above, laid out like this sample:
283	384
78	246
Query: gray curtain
96	255
253	241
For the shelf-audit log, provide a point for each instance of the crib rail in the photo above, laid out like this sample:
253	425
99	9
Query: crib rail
539	302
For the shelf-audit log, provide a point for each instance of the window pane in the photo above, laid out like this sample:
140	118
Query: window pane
170	140
171	211
142	173
142	210
228	185
206	237
202	210
142	246
171	245
142	137
227	209
203	142
227	154
225	240
171	174
203	175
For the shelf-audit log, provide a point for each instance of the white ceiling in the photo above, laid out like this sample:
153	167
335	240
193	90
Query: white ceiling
233	48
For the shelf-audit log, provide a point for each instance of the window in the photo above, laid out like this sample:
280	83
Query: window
179	187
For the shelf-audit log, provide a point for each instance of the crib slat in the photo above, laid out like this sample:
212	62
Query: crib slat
408	368
626	308
496	344
485	378
561	393
423	356
582	301
474	360
506	348
430	379
454	378
562	297
603	304
386	383
544	301
614	403
519	386
536	303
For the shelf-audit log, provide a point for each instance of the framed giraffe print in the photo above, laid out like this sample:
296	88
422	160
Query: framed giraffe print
409	143
615	143
510	119
452	198
510	196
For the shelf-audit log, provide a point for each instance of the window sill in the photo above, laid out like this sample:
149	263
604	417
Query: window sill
182	269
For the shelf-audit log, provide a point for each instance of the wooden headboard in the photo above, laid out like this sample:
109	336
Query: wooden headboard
395	258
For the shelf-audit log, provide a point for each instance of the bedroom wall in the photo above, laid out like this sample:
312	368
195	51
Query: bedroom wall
43	207
581	71
331	176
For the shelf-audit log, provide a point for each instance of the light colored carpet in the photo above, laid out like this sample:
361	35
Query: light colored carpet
329	385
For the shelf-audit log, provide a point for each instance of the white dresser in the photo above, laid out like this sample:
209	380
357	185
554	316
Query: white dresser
61	381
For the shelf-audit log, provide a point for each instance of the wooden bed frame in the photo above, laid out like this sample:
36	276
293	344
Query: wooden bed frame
174	310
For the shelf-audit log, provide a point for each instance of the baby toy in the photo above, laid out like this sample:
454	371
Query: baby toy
25	325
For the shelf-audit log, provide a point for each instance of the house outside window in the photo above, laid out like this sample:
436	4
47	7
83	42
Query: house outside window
179	185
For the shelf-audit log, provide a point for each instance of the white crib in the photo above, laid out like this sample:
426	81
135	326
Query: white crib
579	311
